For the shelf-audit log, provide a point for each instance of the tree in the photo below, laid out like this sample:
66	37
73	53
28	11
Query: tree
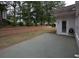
38	11
34	11
19	3
27	12
12	4
49	7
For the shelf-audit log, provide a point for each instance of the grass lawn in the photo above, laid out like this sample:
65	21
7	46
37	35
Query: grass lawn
14	35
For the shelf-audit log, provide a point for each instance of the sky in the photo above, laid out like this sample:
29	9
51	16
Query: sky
69	2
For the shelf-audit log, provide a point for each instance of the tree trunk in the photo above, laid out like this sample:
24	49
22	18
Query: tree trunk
14	16
1	18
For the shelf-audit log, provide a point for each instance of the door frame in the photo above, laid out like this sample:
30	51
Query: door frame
65	26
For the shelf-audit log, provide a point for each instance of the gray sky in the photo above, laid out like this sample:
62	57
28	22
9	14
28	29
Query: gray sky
69	2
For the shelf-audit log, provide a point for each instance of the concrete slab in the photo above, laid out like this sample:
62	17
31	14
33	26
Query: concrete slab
47	45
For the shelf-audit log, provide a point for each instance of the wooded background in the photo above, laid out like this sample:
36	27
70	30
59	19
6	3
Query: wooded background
30	13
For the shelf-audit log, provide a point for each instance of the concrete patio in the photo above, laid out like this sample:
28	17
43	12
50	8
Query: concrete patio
47	45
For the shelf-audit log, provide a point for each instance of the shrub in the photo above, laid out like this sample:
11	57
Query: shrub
20	24
53	25
4	22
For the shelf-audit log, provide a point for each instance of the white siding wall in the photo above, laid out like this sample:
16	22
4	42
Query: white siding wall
58	26
70	24
77	30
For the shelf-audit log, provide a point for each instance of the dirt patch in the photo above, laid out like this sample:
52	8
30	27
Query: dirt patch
14	35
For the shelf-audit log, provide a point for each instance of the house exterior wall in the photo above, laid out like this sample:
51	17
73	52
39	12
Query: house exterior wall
4	15
77	30
70	20
58	26
77	23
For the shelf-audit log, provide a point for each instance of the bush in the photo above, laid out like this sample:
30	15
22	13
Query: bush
4	22
12	24
20	24
53	25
